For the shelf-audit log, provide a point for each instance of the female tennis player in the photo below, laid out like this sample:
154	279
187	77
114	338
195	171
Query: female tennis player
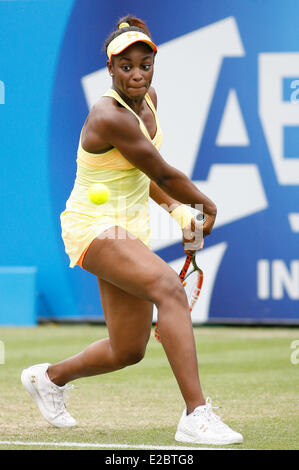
119	146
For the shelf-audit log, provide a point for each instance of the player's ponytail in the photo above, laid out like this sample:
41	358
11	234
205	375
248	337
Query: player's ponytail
128	23
133	21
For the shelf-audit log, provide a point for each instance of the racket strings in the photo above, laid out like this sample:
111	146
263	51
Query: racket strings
192	289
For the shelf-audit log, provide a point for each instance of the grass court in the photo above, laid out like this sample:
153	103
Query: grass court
247	371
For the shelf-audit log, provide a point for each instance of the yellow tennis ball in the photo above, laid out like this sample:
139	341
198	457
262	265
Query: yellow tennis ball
98	193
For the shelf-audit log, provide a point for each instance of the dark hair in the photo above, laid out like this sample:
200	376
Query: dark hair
136	24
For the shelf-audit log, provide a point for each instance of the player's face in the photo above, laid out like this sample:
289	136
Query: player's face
132	70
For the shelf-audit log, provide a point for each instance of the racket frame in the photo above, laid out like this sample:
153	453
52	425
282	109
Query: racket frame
190	259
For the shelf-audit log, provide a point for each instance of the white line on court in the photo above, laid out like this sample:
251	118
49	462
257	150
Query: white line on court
105	446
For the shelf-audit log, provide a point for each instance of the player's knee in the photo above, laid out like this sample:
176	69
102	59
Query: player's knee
130	357
170	289
135	356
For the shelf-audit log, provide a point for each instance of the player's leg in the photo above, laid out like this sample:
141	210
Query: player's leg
129	265
129	322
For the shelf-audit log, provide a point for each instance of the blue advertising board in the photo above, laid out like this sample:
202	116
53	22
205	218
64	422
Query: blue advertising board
227	79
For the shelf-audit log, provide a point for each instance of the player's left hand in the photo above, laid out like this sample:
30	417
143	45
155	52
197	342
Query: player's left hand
193	237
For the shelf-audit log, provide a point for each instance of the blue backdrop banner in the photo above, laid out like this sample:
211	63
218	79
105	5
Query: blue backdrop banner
227	79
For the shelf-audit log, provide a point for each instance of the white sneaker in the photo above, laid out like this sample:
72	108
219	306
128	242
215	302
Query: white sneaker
203	426
48	396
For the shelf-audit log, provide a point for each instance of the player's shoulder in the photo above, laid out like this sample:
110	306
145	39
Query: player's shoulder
106	108
107	113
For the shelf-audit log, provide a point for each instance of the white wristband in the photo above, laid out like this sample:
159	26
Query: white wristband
182	215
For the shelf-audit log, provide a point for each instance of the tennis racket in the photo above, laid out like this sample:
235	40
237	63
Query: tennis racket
192	282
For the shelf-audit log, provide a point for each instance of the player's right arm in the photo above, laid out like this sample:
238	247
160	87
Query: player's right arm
119	128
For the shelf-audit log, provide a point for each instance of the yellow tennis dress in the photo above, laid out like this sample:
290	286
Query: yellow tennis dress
127	207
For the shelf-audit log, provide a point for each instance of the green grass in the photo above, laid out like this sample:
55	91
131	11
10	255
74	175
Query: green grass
246	371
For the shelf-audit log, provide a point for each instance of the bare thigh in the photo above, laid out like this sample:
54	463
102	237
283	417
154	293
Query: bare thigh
128	318
129	265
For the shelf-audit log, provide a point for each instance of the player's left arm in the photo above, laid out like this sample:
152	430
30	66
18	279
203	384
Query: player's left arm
167	202
157	193
162	198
